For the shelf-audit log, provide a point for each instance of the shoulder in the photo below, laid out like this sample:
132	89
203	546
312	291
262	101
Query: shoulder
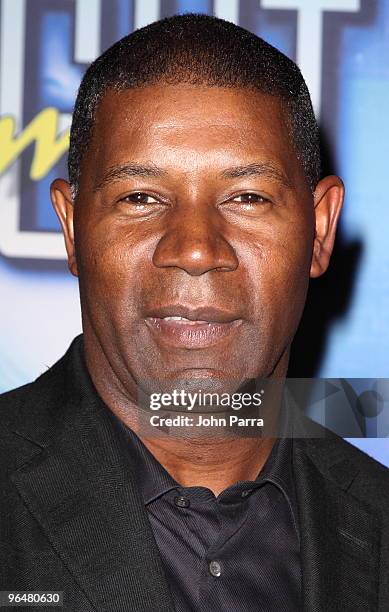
29	411
12	405
24	403
346	465
48	386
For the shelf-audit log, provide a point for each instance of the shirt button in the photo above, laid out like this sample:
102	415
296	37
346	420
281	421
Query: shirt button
246	492
215	568
182	502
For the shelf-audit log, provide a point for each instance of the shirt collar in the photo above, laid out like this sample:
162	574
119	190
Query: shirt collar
152	477
154	481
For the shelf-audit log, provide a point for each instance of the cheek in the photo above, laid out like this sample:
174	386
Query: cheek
279	277
109	265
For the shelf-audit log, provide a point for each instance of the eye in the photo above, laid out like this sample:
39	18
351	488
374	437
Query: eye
249	198
139	198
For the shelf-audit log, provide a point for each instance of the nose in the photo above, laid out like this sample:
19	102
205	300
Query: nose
193	242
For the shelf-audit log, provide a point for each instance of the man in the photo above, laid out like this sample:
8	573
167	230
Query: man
194	217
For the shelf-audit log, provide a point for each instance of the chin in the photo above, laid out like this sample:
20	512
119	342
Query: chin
208	380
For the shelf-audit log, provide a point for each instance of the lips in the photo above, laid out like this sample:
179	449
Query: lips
183	320
181	326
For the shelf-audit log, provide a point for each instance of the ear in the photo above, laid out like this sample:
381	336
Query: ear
328	200
62	201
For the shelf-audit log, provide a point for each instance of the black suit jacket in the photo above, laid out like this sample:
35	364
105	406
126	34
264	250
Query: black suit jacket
72	519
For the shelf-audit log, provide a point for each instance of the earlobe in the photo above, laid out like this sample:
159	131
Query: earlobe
328	200
62	202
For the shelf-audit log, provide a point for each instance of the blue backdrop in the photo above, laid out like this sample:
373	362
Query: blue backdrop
342	47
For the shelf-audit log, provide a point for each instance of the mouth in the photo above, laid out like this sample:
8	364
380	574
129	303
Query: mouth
184	327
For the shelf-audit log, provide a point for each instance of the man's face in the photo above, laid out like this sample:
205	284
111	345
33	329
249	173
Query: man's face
194	231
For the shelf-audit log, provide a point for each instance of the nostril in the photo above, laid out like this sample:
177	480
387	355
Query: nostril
196	252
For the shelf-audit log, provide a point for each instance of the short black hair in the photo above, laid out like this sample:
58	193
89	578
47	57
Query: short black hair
200	50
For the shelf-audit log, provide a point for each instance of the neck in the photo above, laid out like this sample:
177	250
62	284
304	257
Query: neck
214	462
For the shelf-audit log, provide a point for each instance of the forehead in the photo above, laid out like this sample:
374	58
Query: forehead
192	122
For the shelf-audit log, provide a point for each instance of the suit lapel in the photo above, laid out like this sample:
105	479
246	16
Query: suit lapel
82	491
339	536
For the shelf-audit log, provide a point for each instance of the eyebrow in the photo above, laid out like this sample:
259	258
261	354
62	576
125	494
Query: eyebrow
133	169
265	169
124	171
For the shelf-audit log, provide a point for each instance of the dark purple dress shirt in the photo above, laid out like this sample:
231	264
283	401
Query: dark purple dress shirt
237	552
